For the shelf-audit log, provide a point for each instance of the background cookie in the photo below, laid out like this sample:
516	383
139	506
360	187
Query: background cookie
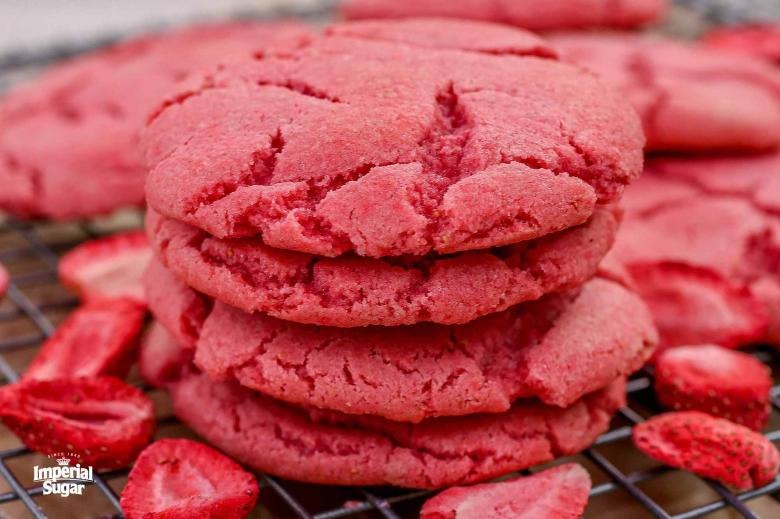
388	148
762	41
689	98
280	439
716	221
556	349
69	140
352	291
539	15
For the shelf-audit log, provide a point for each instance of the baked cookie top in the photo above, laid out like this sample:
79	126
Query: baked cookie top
391	139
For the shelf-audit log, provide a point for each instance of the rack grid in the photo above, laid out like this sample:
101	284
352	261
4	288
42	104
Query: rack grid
626	484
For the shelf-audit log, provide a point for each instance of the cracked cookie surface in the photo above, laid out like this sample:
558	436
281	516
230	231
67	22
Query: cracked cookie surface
351	291
536	15
405	140
325	447
69	140
710	228
410	373
689	98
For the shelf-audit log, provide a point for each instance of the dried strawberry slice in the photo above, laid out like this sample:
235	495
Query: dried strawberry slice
108	267
4	279
711	379
99	338
696	305
557	493
710	447
102	420
182	479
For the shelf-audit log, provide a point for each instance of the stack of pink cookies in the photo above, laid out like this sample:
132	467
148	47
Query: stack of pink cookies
376	255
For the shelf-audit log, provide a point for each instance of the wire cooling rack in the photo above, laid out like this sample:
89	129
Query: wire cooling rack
626	483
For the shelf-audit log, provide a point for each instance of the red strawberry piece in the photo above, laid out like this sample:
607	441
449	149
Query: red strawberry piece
99	338
696	305
102	420
714	380
183	479
3	280
108	267
557	493
711	447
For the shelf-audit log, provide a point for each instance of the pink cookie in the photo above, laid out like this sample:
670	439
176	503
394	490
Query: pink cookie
537	15
331	448
761	40
557	349
703	236
352	291
691	305
557	493
68	141
401	141
689	98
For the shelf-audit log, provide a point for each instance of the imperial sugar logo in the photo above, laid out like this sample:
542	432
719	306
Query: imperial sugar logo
63	479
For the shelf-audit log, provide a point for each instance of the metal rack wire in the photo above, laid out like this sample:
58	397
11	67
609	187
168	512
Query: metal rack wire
626	484
34	301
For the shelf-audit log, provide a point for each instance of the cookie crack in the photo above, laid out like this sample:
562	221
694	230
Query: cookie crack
263	163
207	83
304	89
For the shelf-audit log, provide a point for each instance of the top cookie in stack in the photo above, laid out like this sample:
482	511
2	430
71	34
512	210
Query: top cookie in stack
390	173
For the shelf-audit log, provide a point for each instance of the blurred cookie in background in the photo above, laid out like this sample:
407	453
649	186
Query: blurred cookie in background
690	99
538	15
759	40
701	237
68	140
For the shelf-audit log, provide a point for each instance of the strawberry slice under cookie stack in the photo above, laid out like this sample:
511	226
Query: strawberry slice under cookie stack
376	255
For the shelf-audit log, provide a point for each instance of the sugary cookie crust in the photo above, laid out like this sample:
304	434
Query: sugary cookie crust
420	143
